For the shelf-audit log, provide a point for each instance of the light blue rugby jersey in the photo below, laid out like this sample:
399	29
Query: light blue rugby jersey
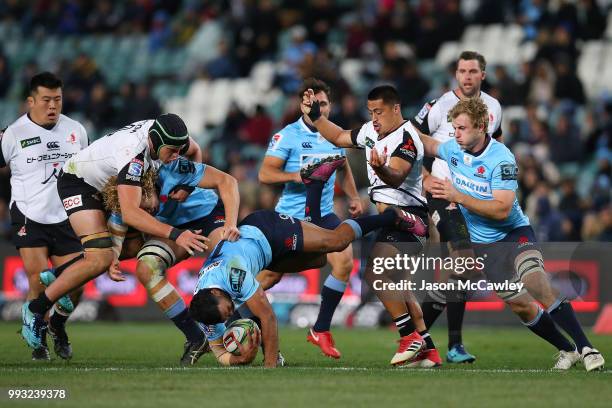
493	169
298	146
233	267
199	203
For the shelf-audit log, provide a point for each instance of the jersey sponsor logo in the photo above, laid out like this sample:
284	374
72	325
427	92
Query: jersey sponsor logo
209	329
453	161
480	172
53	145
479	187
186	167
211	266
275	141
369	143
50	156
30	142
237	279
72	202
509	172
307	145
52	171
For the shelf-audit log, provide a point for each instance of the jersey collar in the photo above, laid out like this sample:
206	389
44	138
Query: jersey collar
311	129
400	125
48	127
481	151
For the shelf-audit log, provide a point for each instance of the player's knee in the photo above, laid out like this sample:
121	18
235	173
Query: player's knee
528	263
525	310
98	250
154	258
342	267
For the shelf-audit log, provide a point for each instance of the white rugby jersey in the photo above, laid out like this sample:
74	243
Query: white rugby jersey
35	156
123	153
433	120
403	142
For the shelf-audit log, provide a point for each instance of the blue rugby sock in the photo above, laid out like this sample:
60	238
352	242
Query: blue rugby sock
179	314
364	225
314	191
333	290
563	314
544	327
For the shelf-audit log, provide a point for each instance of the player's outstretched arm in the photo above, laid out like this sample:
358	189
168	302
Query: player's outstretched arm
329	130
430	144
129	201
271	172
497	208
227	188
259	305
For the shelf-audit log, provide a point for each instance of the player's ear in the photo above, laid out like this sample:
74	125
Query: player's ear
484	75
30	101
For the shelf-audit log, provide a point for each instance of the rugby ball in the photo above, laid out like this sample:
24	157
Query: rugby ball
238	332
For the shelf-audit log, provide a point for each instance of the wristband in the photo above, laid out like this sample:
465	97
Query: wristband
315	110
175	233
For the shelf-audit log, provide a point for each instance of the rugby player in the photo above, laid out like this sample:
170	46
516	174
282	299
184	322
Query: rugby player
290	149
483	184
395	156
280	242
127	154
433	120
35	147
186	201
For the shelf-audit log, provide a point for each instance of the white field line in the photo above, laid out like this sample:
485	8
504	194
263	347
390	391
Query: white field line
68	369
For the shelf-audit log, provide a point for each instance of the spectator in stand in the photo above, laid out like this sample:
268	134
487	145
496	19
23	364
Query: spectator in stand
567	83
541	90
564	141
257	129
5	76
508	88
223	66
161	32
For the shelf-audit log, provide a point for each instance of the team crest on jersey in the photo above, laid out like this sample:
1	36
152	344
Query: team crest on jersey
480	172
71	138
275	141
237	279
467	159
135	168
30	142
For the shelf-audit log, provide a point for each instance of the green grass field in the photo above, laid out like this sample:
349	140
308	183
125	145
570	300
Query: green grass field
137	365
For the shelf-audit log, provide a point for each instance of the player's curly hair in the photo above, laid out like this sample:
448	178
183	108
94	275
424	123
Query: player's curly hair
111	198
316	85
475	109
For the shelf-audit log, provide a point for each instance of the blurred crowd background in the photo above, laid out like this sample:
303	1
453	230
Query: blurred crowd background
231	69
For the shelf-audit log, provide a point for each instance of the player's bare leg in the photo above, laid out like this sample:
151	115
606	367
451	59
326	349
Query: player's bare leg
333	290
155	257
538	285
90	226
